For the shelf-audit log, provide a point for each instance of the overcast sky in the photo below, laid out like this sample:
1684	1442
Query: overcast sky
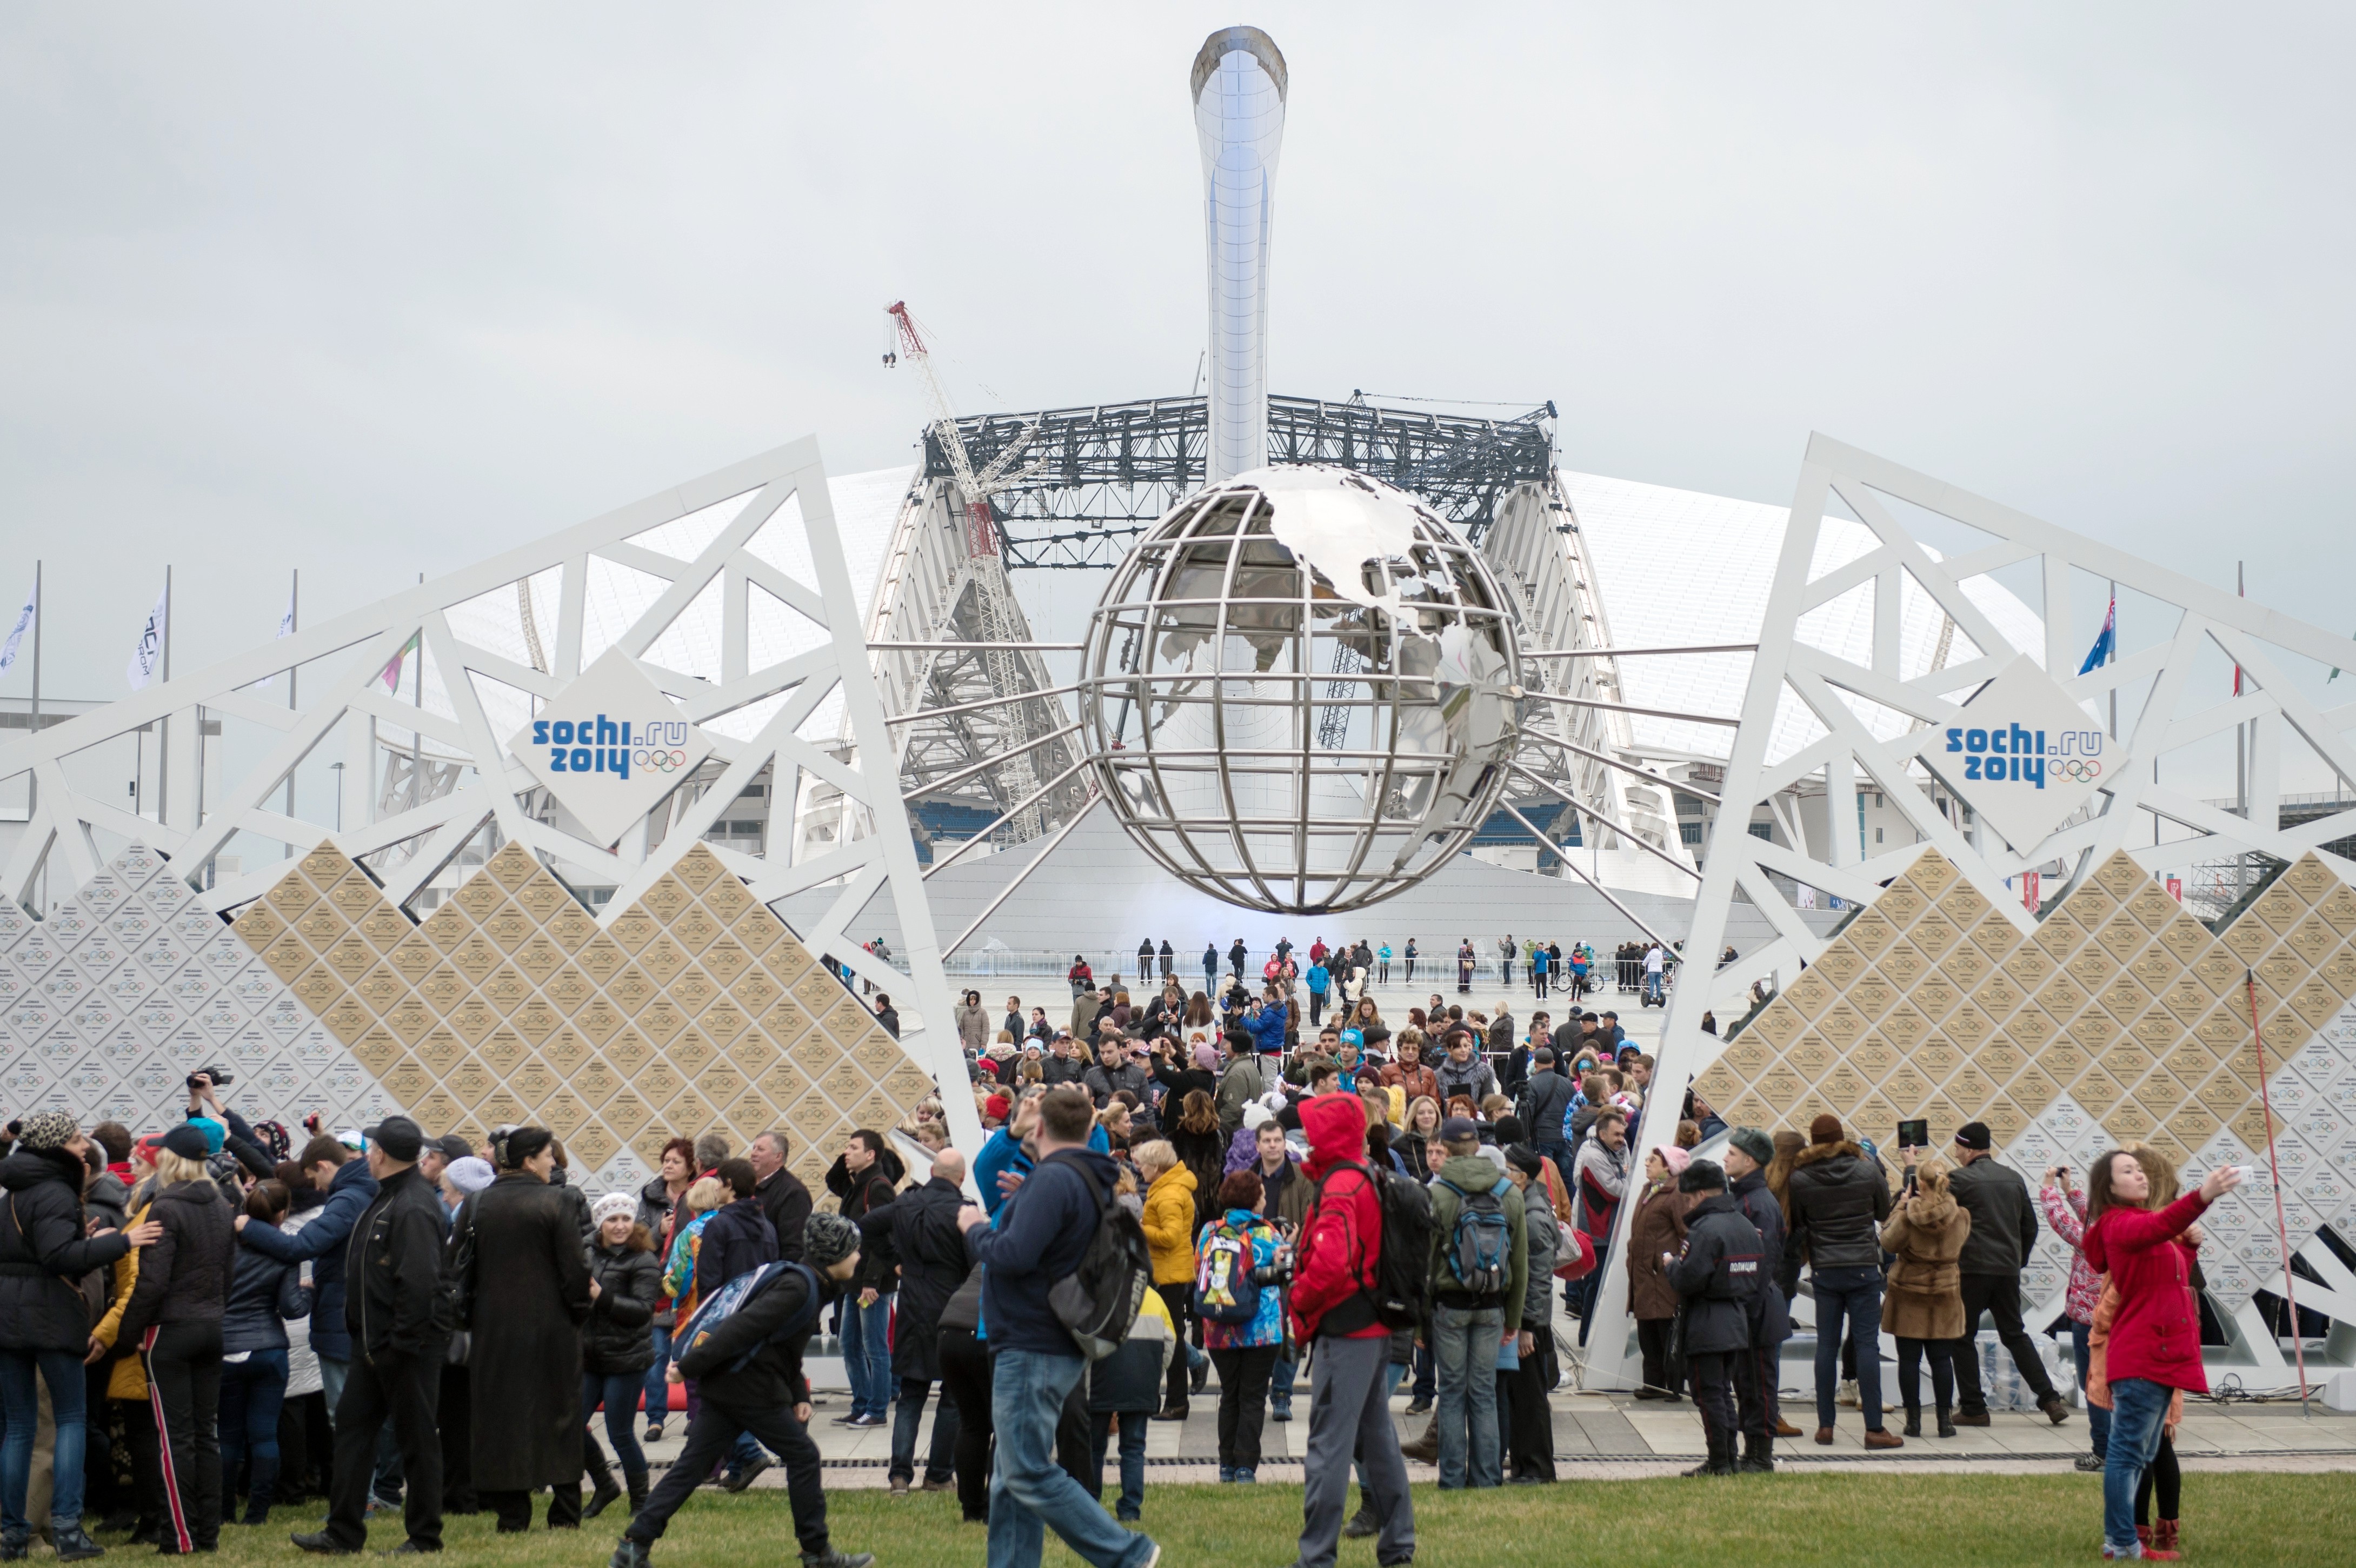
378	291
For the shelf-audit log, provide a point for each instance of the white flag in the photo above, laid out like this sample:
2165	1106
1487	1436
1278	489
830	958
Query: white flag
285	629
16	635
148	657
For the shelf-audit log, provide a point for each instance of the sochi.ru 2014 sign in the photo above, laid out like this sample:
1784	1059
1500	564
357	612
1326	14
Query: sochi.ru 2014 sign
609	747
2022	755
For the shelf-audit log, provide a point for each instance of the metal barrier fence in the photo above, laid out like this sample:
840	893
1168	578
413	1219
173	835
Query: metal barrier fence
1038	966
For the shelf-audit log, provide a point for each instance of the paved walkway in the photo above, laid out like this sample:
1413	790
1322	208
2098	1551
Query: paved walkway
1612	1437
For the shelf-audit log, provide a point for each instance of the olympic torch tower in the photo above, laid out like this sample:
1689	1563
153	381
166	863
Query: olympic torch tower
1239	84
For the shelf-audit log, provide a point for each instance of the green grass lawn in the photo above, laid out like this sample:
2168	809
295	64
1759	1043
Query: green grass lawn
1740	1522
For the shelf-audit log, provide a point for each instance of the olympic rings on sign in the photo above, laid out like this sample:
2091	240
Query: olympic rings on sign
661	761
2079	768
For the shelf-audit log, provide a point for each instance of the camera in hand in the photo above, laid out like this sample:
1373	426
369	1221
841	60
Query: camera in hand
219	1076
1915	1133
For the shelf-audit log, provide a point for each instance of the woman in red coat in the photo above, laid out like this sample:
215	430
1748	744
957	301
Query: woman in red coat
2154	1344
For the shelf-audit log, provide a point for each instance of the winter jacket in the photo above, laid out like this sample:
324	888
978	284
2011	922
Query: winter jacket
1129	1381
1924	1298
1474	1080
1838	1201
618	1339
1103	1083
737	1240
44	1254
2066	1212
1284	1195
107	1198
918	1234
1470	1173
1716	1234
1170	1225
1043	1232
394	1305
1599	1179
773	1380
1338	1257
973	1028
320	1242
263	1294
1545	1234
2004	1218
1268	1026
1659	1227
1244	1081
1544	1105
855	1195
1262	1239
1771	1319
2156	1334
1414	1081
185	1276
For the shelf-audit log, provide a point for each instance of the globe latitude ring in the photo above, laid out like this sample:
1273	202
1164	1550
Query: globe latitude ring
1299	690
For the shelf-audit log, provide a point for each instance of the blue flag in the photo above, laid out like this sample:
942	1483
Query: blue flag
2100	654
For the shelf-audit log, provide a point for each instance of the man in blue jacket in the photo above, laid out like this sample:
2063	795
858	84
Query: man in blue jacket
1043	1231
332	1169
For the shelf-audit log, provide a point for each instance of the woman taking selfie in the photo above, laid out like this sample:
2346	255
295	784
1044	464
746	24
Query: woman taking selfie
2153	1346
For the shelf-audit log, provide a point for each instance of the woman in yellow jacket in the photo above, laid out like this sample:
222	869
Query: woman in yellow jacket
1169	1233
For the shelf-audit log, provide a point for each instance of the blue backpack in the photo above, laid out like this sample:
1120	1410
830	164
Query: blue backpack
1481	1247
732	1298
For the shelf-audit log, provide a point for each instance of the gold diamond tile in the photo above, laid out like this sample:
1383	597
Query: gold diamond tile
2123	998
470	1081
564	1049
849	1022
2316	1002
1747	1053
2218	969
594	1081
2032	1023
786	1083
542	898
1810	993
693	928
1846	1087
440	1050
505	988
1906	1084
414	956
727	897
1998	1059
2194	1124
2185	938
473	1021
721	1083
630	990
629	1114
2337	908
1932	873
2185	998
1842	1024
699	868
1905	1027
2063	1058
723	1020
535	1021
2279	973
844	1084
2093	1031
2310	877
627	1048
2006	1121
2059	935
2122	936
748	1115
1938	1056
290	897
662	959
2224	1094
660	1019
2118	875
1871	995
319	986
385	927
501	1108
1966	905
1997	995
1901	903
600	957
693	991
322	926
1935	995
512	866
2279	907
813	1120
2250	1126
788	960
1874	1111
376	1050
562	1113
348	1019
1934	934
438	1109
1994	937
756	929
2061	995
258	925
406	1081
2151	905
509	927
411	1020
785	1022
2127	1061
324	864
476	956
598	1019
753	1051
503	1050
571	927
592	1144
2338	971
667	898
1812	1103
691	1109
533	1078
1778	1023
2032	1088
724	959
2092	967
692	1051
1969	1021
754	991
1841	962
2247	940
2157	1030
634	928
568	990
441	987
477	897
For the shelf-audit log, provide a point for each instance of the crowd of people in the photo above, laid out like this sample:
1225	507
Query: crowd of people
419	1327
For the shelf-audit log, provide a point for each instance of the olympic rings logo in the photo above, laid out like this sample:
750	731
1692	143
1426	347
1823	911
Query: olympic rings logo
2078	768
660	761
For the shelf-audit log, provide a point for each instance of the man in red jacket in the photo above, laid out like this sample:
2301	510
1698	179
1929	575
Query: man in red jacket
1333	1304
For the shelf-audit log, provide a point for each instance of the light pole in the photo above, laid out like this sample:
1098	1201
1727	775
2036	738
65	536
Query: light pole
339	796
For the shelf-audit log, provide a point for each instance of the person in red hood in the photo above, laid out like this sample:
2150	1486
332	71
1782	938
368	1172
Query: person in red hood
1333	1304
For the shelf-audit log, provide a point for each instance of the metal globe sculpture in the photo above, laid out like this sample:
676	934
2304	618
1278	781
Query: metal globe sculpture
1299	691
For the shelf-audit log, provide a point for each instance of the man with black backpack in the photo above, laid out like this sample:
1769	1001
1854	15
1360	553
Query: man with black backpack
1039	1251
743	1348
1358	1275
1479	1261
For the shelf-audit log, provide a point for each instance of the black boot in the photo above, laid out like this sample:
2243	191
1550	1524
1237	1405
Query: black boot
1946	1422
1758	1455
630	1554
638	1485
831	1558
1721	1457
1913	1420
601	1480
73	1544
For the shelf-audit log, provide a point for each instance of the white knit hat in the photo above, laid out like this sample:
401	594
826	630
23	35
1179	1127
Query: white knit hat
610	1205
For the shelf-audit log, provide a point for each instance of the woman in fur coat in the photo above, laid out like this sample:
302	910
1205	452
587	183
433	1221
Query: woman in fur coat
1923	1303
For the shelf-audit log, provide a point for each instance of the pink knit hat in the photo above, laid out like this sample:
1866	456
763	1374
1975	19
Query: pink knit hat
1676	1159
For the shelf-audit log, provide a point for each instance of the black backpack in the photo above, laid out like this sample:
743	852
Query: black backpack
1400	1295
1479	1250
1098	1301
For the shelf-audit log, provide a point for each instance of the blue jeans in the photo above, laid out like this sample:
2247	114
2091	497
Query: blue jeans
20	1402
2138	1417
251	1392
1280	1384
619	1393
940	1460
333	1374
1029	1492
867	1356
2098	1420
658	1388
1850	1297
1464	1342
1132	1505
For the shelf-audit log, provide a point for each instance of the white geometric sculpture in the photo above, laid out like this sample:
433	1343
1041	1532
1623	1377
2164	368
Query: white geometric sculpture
790	664
2143	1010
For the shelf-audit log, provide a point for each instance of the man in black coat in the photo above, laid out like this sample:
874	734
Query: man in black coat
918	1232
1749	1152
1544	1106
1715	1277
783	1197
2004	1231
766	1395
398	1320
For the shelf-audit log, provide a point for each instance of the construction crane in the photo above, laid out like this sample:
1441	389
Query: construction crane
998	619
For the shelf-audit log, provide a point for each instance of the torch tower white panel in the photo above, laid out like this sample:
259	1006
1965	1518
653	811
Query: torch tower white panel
1239	85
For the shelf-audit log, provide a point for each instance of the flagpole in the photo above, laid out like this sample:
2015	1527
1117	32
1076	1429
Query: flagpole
295	620
33	794
2114	659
